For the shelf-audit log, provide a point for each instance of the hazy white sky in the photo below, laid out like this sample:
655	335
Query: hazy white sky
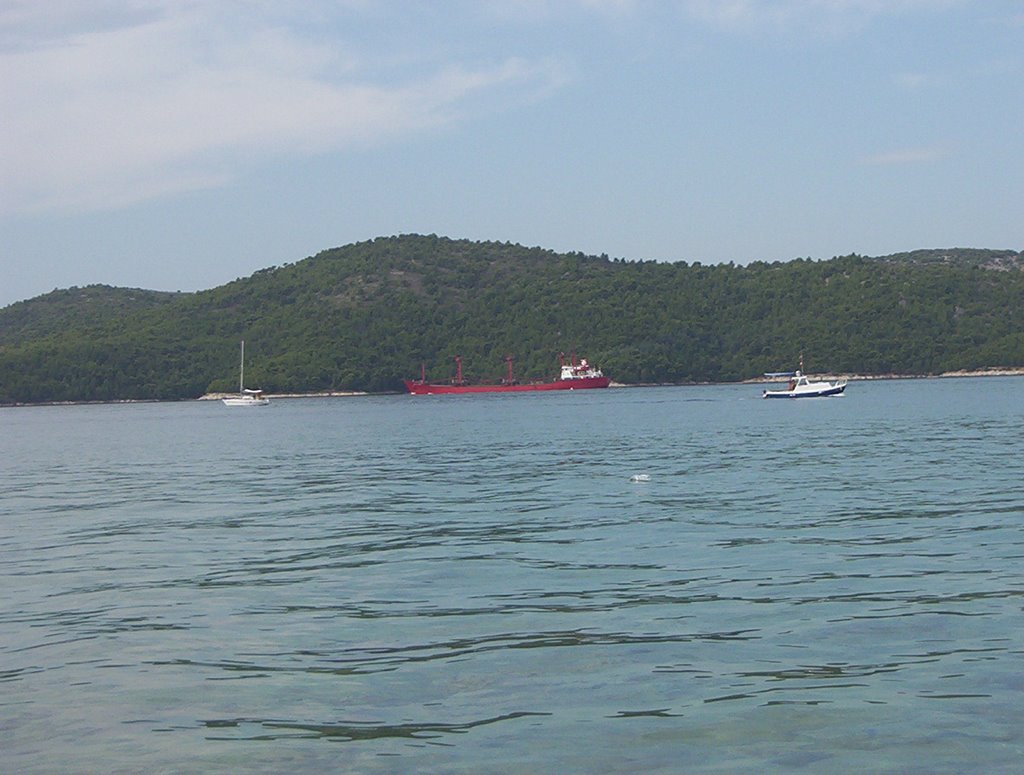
179	144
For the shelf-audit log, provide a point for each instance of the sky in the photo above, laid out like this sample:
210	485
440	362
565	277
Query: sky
181	144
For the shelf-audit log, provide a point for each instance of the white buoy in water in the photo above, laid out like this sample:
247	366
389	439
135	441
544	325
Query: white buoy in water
640	478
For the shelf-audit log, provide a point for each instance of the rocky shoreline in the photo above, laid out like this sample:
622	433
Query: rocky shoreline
1016	371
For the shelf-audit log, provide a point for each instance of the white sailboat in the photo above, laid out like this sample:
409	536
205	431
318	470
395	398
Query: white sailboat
246	397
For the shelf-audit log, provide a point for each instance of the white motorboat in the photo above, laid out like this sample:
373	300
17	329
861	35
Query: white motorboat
800	386
246	396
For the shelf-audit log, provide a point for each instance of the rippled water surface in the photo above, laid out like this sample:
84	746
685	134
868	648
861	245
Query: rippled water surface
475	584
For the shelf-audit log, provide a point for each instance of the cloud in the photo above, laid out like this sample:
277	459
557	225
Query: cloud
141	99
27	24
823	18
906	156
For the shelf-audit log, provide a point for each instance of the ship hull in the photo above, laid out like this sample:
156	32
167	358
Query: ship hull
585	383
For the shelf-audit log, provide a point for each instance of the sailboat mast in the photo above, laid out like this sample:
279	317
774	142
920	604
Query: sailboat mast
241	371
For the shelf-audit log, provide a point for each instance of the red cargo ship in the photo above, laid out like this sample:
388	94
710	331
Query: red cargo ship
574	376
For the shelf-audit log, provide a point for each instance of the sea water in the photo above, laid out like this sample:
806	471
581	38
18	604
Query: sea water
667	580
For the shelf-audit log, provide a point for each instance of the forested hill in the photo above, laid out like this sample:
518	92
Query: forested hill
364	316
962	257
74	308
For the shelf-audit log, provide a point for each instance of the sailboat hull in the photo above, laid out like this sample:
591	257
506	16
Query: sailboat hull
245	401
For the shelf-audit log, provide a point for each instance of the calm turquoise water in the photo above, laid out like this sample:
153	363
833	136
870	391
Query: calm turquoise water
467	584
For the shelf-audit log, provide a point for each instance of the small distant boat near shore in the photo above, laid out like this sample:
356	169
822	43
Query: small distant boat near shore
246	396
801	386
573	376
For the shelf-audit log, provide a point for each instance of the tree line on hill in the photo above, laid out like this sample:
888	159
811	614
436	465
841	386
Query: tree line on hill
365	316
